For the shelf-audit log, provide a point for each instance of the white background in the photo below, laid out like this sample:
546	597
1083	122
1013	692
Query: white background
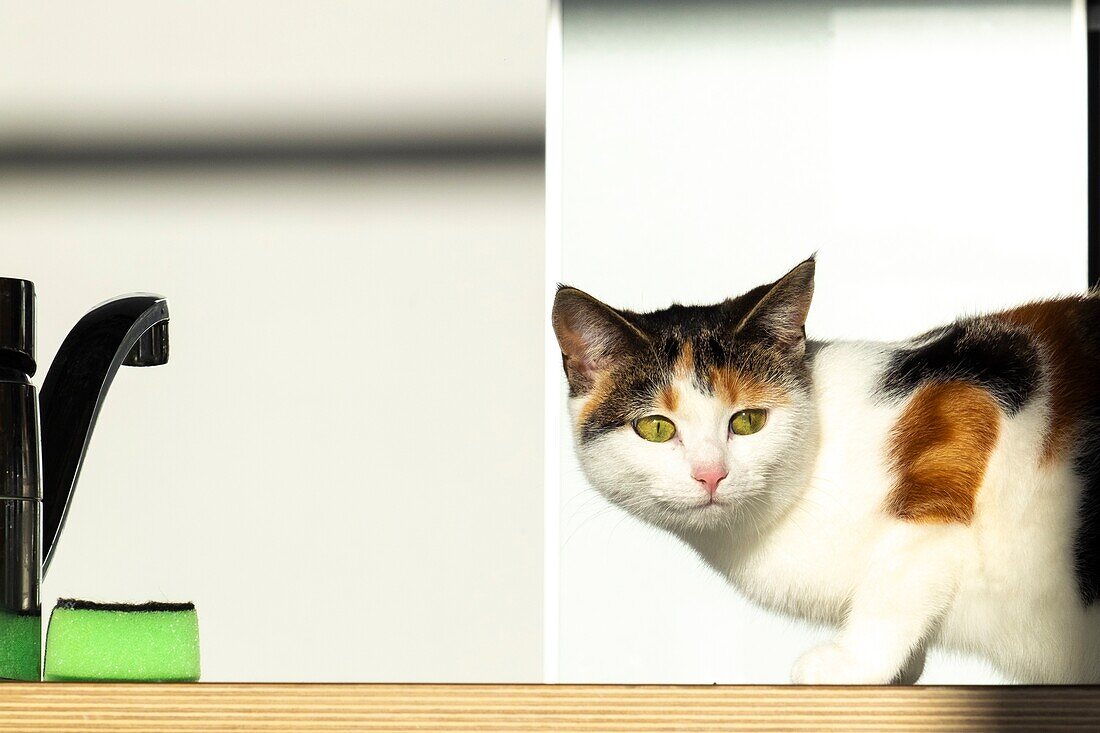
932	153
341	462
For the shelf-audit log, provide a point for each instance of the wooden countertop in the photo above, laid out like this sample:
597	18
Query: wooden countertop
411	707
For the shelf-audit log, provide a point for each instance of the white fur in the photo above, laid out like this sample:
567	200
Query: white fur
800	527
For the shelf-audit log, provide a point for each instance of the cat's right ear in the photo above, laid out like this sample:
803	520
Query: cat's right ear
592	336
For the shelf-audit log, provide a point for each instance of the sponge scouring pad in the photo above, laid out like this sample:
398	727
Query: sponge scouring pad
150	642
20	646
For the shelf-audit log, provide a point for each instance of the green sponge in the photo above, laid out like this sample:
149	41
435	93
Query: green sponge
150	642
20	646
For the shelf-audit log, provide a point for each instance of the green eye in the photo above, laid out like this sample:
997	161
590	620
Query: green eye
748	422
654	428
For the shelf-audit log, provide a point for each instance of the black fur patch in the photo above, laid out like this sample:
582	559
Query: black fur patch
1003	359
1087	455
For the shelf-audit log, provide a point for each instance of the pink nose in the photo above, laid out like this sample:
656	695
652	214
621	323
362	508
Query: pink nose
709	477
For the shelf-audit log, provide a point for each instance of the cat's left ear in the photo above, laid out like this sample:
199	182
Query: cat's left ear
593	336
780	316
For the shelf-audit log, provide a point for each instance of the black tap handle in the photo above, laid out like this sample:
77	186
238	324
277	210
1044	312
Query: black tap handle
130	330
17	325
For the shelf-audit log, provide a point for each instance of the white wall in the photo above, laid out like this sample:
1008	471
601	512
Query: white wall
933	153
132	71
340	463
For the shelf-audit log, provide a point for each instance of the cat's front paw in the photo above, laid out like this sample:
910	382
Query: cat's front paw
825	664
833	664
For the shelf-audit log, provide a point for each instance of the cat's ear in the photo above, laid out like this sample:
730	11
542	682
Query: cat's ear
592	336
780	316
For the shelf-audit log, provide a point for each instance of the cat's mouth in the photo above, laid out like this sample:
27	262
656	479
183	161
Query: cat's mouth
687	513
711	503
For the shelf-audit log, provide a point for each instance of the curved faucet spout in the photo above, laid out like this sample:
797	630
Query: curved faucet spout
131	330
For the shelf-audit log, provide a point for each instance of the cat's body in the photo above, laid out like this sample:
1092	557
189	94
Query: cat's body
939	491
1005	582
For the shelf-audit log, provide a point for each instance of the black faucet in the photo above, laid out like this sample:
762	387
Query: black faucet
40	459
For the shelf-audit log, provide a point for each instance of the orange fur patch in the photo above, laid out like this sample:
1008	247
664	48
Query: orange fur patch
599	392
685	363
939	450
738	389
1072	367
669	398
682	369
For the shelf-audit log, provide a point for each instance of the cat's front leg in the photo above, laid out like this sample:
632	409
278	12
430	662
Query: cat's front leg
909	586
912	670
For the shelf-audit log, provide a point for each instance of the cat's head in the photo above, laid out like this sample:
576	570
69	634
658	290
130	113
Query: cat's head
692	416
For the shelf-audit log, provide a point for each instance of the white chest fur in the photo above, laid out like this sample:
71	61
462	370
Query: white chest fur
816	553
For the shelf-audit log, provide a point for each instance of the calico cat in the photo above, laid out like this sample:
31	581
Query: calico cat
939	491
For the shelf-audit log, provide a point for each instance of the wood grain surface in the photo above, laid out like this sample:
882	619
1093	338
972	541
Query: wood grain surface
394	707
